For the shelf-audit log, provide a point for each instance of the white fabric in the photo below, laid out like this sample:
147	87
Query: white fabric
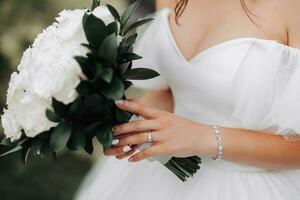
242	83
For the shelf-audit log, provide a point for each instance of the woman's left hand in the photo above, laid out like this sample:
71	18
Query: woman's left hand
172	135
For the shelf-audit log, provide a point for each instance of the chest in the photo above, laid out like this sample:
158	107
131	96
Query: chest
206	23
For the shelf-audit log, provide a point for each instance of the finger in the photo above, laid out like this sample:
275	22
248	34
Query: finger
119	150
136	126
155	150
137	108
132	151
139	138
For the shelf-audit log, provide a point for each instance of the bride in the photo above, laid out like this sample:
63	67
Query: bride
229	92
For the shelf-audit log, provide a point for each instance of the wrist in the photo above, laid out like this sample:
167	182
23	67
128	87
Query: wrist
206	141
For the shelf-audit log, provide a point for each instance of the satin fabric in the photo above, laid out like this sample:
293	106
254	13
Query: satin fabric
242	83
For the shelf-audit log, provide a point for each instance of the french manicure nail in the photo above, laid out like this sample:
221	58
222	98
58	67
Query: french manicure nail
119	102
130	159
126	149
115	141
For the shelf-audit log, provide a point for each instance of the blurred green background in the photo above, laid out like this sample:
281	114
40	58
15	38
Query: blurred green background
43	179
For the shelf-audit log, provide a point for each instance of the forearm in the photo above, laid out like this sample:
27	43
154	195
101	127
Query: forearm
255	148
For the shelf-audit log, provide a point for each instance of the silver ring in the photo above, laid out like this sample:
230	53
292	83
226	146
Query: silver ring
149	137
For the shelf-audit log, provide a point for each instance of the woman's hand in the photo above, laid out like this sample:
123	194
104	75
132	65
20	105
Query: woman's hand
172	135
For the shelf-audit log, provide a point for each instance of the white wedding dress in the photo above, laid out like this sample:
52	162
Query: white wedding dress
242	83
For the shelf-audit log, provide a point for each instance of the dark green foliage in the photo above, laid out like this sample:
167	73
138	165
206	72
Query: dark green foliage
123	116
113	11
130	57
113	28
105	74
108	49
137	24
52	116
60	108
184	168
60	136
131	39
77	139
8	150
95	29
128	12
95	4
140	73
114	90
105	135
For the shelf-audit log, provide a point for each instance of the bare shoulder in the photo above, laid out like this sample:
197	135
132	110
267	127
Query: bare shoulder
291	11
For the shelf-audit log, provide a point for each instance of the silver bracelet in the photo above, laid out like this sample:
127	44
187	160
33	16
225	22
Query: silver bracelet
219	155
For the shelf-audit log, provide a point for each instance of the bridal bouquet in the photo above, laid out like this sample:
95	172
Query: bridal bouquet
63	93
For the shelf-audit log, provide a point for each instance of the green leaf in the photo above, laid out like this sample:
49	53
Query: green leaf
95	29
99	66
114	90
105	74
108	50
36	146
52	116
85	88
59	108
137	24
77	139
95	4
105	135
76	109
12	150
60	136
113	28
123	67
113	11
131	56
89	148
122	116
131	39
93	101
6	142
45	149
25	153
127	84
83	63
128	12
140	74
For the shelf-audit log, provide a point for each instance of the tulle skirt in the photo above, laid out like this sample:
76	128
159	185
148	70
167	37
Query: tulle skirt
113	179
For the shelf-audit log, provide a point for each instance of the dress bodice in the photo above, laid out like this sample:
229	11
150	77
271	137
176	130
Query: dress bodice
246	82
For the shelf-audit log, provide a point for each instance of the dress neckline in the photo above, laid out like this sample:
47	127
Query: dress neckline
166	12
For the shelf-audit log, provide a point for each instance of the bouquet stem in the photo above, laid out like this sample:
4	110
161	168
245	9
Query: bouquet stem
184	168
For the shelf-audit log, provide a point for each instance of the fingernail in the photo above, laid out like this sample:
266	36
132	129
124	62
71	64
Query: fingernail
115	141
119	102
126	149
130	159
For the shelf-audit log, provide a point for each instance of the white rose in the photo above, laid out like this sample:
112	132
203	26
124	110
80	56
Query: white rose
104	14
25	59
69	25
28	110
11	129
53	70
